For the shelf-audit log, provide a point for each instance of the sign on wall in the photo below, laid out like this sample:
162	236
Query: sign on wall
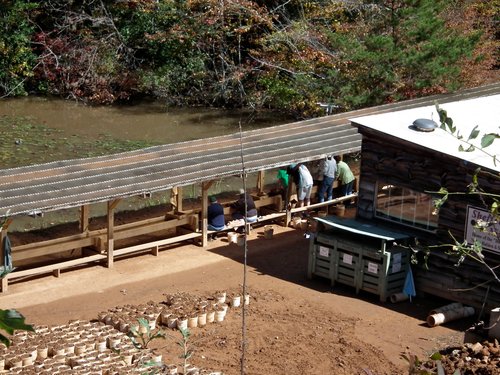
489	236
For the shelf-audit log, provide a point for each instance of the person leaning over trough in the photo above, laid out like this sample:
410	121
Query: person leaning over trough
215	215
238	208
345	177
304	182
328	168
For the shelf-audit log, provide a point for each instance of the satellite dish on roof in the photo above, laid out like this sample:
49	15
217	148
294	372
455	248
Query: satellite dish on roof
424	125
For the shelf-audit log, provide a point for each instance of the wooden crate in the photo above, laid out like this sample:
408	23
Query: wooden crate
368	261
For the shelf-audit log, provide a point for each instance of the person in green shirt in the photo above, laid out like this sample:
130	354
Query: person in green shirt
282	185
345	177
283	179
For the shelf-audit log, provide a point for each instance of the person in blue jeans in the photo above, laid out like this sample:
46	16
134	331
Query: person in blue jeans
345	177
215	215
329	168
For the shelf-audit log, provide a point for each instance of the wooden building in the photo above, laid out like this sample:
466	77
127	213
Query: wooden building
82	183
403	166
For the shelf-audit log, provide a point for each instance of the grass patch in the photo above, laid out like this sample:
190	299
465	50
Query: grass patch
24	143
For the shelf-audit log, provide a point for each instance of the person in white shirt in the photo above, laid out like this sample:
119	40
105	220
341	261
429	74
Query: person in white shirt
304	181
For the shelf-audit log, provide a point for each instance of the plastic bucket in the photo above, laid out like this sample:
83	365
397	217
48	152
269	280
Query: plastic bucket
338	210
268	232
241	240
232	237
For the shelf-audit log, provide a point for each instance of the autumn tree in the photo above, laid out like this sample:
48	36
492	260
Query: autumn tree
286	56
16	57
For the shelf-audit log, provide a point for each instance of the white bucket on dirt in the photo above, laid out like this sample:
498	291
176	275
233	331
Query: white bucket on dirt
219	316
494	330
268	232
202	319
241	240
232	237
236	302
182	323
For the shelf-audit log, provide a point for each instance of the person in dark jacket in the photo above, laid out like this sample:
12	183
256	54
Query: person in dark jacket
238	208
215	215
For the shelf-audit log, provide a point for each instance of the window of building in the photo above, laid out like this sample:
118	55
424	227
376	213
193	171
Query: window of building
405	206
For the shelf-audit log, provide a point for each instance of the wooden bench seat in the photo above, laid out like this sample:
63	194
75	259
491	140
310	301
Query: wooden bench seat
97	240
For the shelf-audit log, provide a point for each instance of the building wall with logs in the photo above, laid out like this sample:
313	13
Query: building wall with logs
405	164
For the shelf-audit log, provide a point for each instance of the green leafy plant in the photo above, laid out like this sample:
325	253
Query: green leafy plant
11	320
417	367
142	335
186	351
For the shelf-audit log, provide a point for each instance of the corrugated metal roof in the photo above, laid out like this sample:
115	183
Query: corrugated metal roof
72	183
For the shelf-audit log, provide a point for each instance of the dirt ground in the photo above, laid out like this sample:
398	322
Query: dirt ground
293	325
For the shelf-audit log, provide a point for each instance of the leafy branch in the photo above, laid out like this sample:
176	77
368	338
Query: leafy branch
486	140
465	249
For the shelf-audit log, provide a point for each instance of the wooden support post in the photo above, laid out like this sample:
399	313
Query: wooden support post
155	250
173	200
179	207
83	225
204	212
84	218
288	216
260	183
111	231
3	234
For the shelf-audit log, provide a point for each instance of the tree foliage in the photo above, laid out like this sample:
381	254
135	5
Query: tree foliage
461	248
239	53
10	321
16	56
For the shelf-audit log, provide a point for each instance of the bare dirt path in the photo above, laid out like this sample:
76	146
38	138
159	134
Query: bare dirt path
294	325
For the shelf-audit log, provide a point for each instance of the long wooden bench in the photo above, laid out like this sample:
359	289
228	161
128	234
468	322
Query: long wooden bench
97	240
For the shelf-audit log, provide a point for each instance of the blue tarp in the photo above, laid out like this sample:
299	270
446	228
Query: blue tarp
7	257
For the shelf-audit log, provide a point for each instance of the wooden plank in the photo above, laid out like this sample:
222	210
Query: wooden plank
326	203
52	267
28	251
159	243
41	249
56	241
137	231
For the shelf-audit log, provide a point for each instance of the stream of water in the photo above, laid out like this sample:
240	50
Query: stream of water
148	121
